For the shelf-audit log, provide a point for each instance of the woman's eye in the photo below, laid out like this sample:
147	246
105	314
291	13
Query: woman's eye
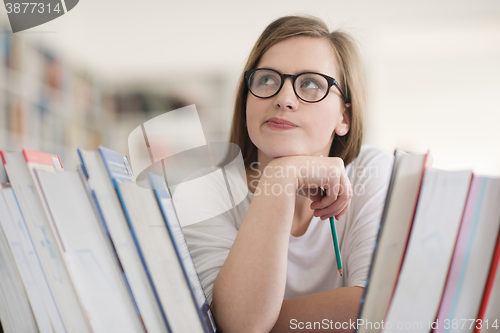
266	79
310	84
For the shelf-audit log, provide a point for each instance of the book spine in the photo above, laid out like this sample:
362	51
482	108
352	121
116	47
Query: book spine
495	262
141	255
33	156
108	235
203	311
84	169
427	165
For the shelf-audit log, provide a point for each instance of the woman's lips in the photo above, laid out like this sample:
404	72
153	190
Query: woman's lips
280	124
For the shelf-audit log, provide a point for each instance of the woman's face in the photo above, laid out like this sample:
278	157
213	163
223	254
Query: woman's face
314	124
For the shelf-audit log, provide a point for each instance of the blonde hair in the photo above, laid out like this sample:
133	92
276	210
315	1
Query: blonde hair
351	81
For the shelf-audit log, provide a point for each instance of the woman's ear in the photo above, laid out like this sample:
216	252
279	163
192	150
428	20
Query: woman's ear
345	122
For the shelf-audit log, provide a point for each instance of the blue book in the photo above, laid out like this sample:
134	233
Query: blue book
117	165
155	247
116	225
174	228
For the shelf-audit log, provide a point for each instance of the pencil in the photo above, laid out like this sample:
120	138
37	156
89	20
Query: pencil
335	242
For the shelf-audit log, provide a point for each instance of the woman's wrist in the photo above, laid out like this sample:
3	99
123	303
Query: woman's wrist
279	178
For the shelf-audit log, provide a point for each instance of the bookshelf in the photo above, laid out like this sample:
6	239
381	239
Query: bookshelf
49	104
45	103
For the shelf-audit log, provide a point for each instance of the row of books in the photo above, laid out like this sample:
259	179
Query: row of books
435	266
90	251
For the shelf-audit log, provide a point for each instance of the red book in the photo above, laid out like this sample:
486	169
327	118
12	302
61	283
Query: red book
38	157
490	305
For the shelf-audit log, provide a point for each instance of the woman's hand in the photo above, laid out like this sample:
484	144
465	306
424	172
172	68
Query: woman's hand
313	174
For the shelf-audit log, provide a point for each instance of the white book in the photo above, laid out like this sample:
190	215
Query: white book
8	227
430	248
3	174
119	231
15	311
395	227
473	254
96	274
44	241
174	227
33	260
159	257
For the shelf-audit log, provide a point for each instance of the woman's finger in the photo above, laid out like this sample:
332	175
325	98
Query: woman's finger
343	200
337	209
330	194
329	209
342	212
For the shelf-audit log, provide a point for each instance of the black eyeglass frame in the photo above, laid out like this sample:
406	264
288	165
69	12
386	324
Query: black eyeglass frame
331	82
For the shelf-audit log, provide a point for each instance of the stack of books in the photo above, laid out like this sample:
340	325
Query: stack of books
435	264
90	251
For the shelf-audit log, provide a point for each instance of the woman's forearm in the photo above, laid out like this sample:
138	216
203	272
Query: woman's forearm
248	291
334	310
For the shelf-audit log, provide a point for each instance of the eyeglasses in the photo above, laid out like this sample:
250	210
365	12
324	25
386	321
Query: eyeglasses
309	86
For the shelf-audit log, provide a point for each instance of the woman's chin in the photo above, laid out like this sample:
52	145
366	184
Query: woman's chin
284	153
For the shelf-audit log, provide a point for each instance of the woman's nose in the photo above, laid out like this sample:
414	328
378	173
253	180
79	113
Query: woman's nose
286	98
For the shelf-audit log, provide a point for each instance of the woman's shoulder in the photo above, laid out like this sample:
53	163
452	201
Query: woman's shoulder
208	196
373	165
371	155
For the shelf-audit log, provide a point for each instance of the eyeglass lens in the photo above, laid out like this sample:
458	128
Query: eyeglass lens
308	86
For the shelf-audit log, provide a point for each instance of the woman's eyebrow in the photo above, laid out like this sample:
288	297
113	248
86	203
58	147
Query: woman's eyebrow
308	70
296	73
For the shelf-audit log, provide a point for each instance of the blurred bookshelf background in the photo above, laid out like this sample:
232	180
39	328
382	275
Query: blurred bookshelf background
91	76
50	105
47	105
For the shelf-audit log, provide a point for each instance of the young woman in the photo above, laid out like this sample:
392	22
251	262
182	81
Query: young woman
299	121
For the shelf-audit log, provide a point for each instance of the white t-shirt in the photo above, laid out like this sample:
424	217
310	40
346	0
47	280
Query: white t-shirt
311	265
